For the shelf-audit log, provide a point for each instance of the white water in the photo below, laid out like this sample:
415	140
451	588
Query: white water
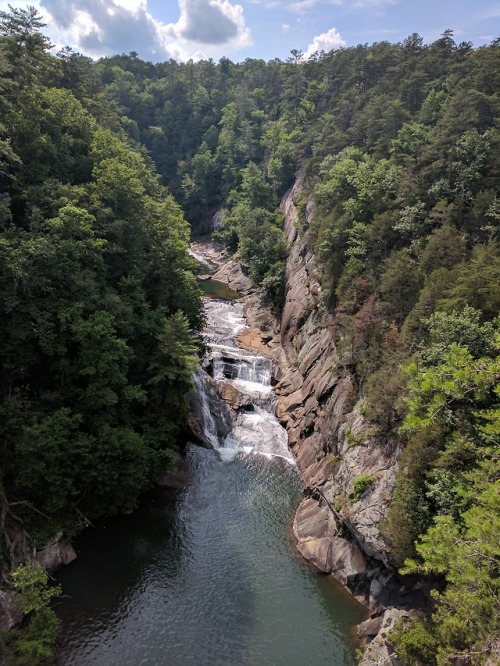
257	430
210	428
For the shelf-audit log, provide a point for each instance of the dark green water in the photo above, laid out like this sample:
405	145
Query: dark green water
217	289
209	577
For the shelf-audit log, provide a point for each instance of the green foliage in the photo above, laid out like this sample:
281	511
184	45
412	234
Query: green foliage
34	644
463	328
252	226
360	485
400	282
383	389
352	438
31	583
97	294
453	414
415	643
444	492
445	248
408	516
438	393
466	553
273	284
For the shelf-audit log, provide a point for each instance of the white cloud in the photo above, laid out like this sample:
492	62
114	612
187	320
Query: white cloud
210	22
304	5
102	27
327	41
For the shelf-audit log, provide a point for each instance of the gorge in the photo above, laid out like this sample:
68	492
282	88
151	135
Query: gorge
372	300
211	576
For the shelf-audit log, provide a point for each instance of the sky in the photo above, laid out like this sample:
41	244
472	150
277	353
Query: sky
182	29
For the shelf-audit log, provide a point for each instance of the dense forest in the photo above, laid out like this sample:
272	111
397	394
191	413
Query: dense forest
397	147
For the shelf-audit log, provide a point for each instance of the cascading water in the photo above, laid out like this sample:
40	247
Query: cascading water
247	371
210	427
210	577
256	431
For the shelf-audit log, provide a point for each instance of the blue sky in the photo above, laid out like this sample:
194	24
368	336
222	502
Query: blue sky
239	29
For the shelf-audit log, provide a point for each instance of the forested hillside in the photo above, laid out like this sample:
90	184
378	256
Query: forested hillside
97	300
398	146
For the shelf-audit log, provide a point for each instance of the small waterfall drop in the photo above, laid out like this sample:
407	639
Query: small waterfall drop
209	425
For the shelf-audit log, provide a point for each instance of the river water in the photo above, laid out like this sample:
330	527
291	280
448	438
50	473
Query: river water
209	575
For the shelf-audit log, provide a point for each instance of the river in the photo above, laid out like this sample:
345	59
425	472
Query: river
209	575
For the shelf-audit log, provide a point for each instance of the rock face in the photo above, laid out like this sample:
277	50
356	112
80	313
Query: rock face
318	402
318	541
337	526
235	276
375	631
221	413
10	616
56	553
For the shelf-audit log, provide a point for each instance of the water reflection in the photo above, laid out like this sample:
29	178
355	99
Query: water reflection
207	577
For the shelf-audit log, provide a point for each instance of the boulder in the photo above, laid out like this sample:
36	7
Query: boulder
234	275
380	650
316	531
177	476
231	395
368	629
10	615
55	553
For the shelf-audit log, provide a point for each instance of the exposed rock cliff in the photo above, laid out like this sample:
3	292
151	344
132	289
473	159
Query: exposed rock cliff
350	473
318	403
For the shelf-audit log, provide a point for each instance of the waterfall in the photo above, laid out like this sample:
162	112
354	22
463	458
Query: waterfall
256	429
209	425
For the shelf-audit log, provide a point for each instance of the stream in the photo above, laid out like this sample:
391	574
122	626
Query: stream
209	575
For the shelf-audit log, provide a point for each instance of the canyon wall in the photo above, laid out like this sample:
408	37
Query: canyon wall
348	470
320	406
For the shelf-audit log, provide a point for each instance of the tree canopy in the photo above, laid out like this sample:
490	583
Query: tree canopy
103	165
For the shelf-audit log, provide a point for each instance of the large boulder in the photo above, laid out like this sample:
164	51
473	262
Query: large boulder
316	531
233	274
10	615
56	553
232	396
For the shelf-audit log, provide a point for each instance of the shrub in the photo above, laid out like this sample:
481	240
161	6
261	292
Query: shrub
360	484
34	643
415	644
